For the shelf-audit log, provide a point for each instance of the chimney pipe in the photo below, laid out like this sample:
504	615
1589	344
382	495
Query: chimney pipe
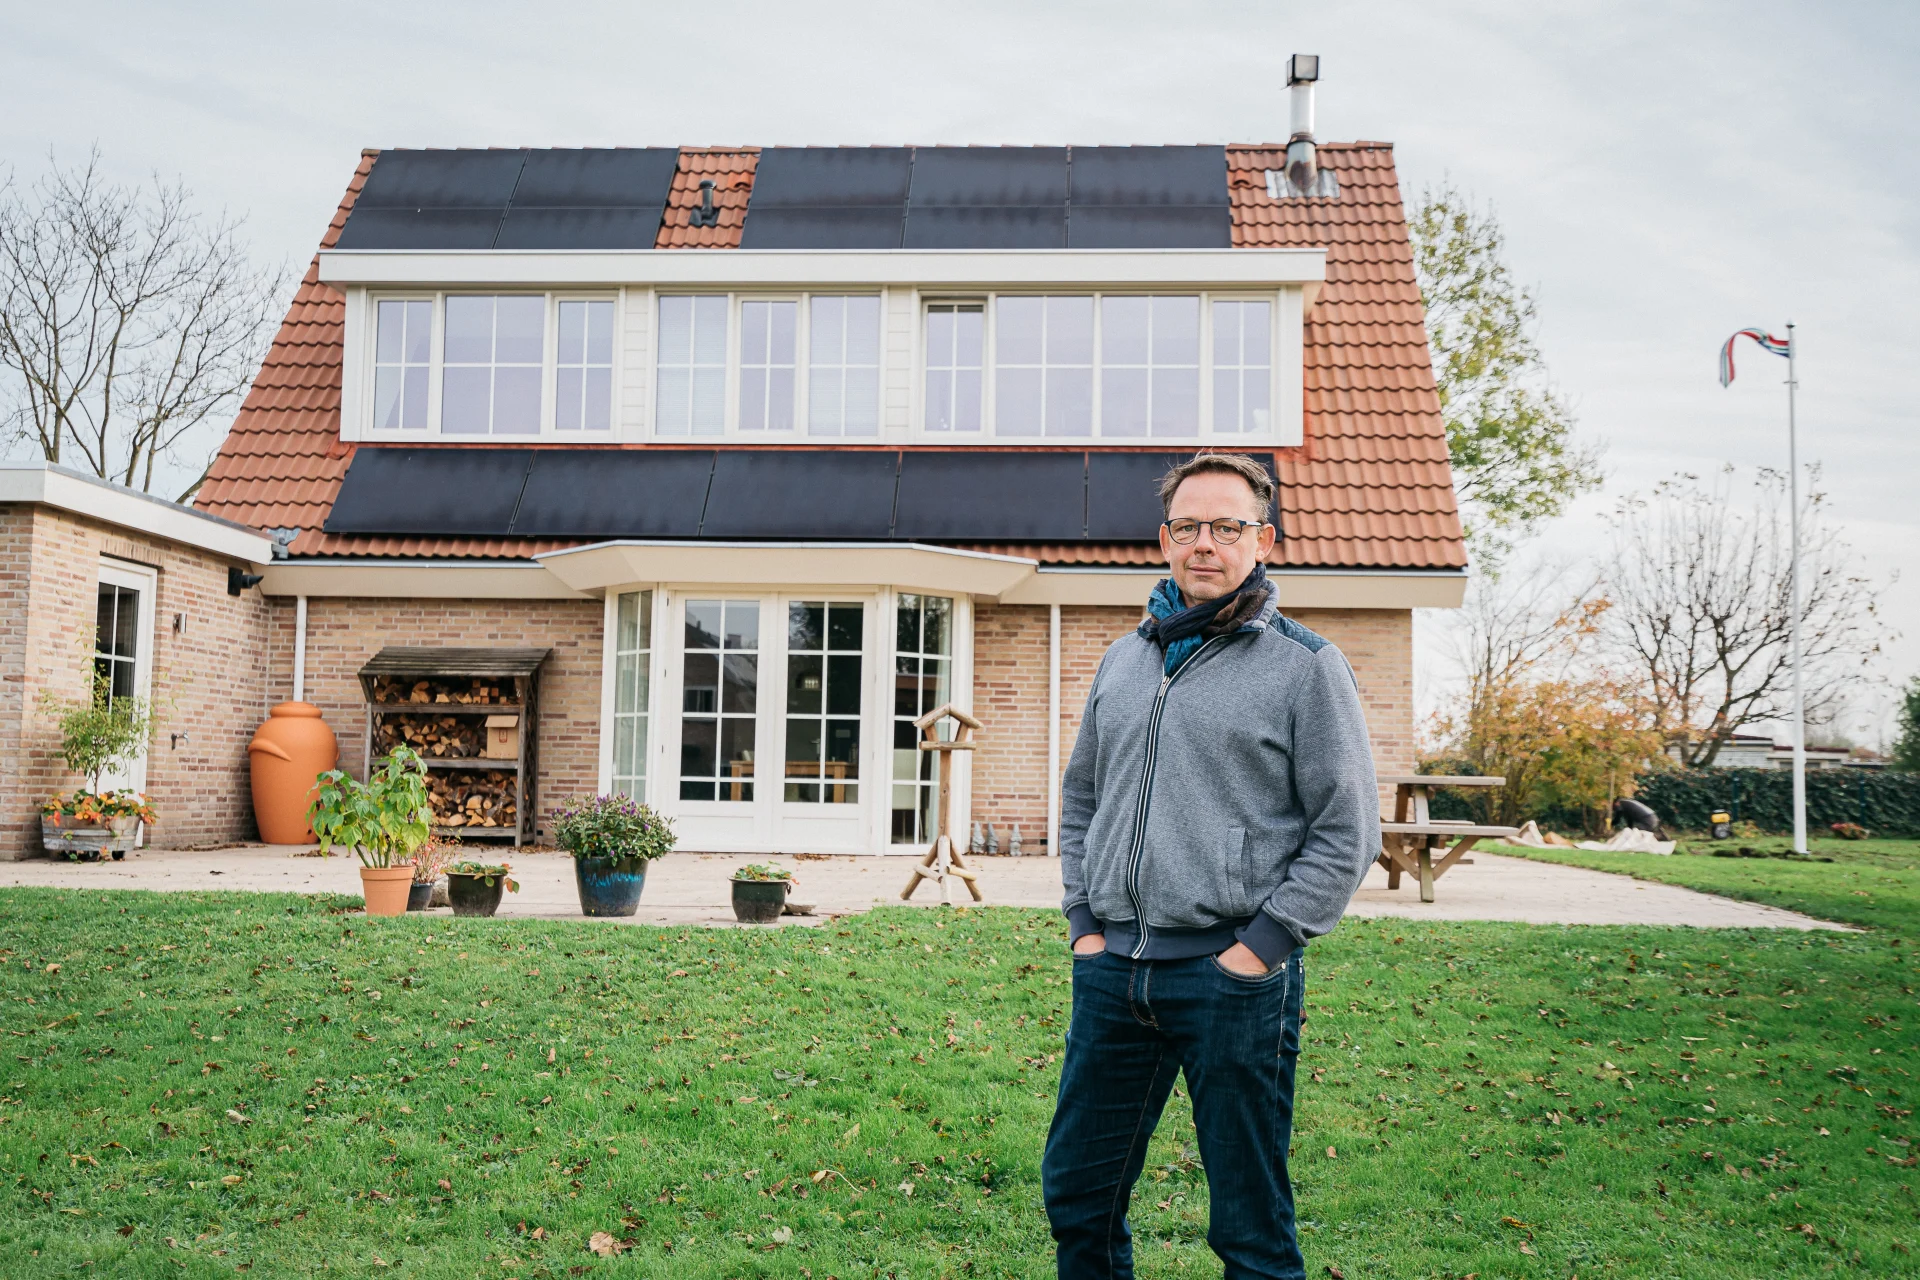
1303	167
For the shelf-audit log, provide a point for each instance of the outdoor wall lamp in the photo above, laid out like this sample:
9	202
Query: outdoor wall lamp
239	580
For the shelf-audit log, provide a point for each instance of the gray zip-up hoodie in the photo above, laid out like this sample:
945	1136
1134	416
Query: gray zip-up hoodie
1232	800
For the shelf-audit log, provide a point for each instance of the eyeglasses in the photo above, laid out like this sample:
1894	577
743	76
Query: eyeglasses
1225	532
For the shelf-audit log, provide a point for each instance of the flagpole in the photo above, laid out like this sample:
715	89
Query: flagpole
1799	705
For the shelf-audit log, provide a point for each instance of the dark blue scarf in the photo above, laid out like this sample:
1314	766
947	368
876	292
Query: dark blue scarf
1180	629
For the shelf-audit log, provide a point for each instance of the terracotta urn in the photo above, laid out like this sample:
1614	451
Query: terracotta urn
288	752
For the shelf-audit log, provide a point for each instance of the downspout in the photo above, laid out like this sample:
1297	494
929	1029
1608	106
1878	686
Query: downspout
1053	731
300	649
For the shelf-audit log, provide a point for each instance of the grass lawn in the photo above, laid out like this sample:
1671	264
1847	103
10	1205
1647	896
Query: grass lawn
1875	883
204	1084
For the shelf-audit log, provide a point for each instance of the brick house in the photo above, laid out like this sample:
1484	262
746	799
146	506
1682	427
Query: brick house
775	448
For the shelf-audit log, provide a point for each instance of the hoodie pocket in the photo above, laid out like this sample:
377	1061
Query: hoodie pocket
1237	862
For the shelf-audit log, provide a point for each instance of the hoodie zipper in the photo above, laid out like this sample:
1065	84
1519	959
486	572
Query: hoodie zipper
1146	789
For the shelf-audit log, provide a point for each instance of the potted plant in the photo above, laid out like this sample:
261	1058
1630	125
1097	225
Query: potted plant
760	892
474	888
98	734
429	864
384	820
612	839
85	824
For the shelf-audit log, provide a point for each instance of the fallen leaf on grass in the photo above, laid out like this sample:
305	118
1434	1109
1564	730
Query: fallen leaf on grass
782	1234
603	1243
906	1189
238	1118
1528	1249
445	1185
126	1230
1336	1272
819	1175
232	1179
1332	1154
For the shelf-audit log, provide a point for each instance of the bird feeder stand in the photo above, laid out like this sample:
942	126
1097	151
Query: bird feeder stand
942	859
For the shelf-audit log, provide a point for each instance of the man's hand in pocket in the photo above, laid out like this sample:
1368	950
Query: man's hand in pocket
1090	944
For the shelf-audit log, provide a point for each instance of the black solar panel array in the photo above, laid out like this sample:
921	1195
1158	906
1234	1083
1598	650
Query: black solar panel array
804	198
609	198
866	495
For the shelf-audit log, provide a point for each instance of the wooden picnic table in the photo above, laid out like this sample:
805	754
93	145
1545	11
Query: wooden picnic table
1410	841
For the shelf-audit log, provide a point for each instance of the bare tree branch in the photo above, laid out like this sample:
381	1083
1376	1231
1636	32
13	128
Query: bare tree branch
130	324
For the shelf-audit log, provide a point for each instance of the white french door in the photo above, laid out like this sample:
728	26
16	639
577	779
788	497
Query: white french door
123	652
771	738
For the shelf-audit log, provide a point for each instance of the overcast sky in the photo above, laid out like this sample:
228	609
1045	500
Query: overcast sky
1666	172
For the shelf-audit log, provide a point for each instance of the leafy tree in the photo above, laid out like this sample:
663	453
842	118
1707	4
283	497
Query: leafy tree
99	732
1906	750
1511	439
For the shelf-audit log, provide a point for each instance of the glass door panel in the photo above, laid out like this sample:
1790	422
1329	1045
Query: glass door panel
632	700
719	699
922	680
825	643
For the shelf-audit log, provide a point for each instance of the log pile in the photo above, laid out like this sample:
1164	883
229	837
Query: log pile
479	691
440	737
480	799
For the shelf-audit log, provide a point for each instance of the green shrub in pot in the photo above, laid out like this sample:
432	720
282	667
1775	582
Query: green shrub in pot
612	839
384	820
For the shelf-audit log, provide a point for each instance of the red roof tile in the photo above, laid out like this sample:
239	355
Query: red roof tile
1370	487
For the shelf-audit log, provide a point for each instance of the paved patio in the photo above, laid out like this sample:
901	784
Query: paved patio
691	888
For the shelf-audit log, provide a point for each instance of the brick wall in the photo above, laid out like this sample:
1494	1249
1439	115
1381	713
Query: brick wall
207	675
1010	694
343	633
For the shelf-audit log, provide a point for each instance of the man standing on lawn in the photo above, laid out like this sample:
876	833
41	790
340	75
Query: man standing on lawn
1218	811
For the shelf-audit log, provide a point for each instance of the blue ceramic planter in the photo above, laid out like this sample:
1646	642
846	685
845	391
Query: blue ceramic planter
610	886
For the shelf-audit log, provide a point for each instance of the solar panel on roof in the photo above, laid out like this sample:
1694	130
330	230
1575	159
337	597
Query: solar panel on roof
1015	496
812	177
419	229
1149	176
986	228
1123	494
853	227
445	492
614	493
801	493
574	178
1149	227
440	180
1021	176
578	228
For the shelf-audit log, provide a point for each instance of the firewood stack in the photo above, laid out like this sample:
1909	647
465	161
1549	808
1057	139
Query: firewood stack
483	798
458	690
438	737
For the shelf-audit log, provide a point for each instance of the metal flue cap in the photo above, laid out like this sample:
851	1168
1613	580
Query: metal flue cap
1303	68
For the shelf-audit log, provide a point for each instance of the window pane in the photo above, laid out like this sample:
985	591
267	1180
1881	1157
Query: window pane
1256	319
1123	402
939	616
699	753
566	398
1069	402
465	397
740	683
413	402
829	339
469	337
516	400
806	679
825	401
843	684
940	406
1069	331
845	625
520	334
968	336
597	410
701	690
966	400
1226	400
572	333
753	399
806	625
1176	402
710	330
627	632
753	332
386	398
1255	399
391	336
709	410
703	624
1176	331
676	330
736	744
863	330
1017	324
419	332
672	415
1016	409
743	624
1123	330
600	332
940	336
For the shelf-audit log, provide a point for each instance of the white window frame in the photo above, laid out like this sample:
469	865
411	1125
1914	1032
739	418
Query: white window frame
1278	384
358	423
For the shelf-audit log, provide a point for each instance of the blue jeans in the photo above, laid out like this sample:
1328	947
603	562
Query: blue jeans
1136	1025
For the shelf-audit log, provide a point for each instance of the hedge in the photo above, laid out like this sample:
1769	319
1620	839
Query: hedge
1887	804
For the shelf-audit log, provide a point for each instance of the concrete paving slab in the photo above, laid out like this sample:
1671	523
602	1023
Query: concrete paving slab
692	888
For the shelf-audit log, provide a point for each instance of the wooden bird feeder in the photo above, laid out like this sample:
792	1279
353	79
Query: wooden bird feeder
943	860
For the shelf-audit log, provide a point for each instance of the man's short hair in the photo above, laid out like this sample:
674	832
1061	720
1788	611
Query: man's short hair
1229	464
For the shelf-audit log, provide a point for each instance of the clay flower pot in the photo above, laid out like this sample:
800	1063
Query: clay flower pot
386	889
289	751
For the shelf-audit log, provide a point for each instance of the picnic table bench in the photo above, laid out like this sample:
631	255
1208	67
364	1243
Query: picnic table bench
1410	841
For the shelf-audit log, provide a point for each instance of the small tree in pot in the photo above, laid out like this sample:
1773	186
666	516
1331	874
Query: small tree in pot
98	733
384	820
612	839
